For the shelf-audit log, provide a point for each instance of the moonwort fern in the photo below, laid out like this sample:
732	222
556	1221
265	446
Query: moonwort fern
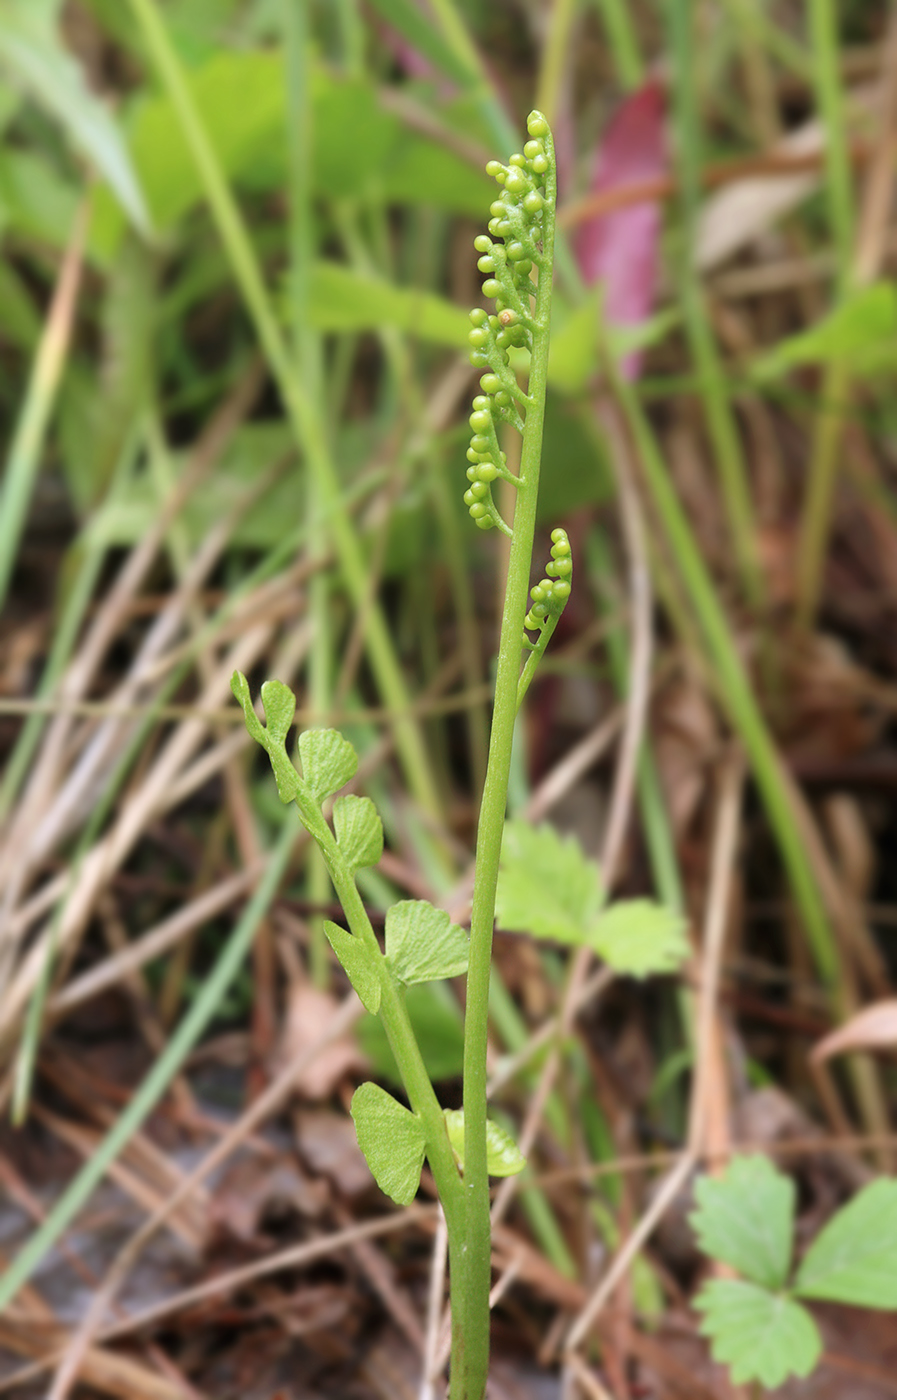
463	1148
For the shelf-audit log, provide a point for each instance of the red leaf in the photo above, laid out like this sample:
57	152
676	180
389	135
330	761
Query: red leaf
620	248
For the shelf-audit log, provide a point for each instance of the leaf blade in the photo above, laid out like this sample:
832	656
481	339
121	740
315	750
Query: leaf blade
422	943
359	830
854	1257
30	49
746	1219
357	962
392	1140
328	761
503	1156
639	937
762	1336
547	886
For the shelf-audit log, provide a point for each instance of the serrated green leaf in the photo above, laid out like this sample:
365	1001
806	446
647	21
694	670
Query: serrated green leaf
763	1336
358	963
328	761
854	1258
637	937
359	830
547	886
280	709
392	1140
746	1219
422	943
503	1156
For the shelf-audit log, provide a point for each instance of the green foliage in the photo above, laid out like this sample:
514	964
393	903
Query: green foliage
406	17
422	943
746	1219
392	1140
360	148
272	739
125	519
438	1029
763	1336
861	331
33	55
503	1156
546	885
549	888
35	200
854	1259
341	299
638	937
359	831
328	760
357	963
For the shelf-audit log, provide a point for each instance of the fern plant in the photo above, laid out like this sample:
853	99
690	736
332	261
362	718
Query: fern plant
463	1147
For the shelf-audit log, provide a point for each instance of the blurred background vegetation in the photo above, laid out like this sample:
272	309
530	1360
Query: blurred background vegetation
237	266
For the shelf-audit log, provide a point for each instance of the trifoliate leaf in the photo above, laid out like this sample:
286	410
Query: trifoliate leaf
503	1156
854	1258
358	964
422	943
763	1336
359	830
328	761
547	886
392	1140
280	709
272	741
746	1219
638	937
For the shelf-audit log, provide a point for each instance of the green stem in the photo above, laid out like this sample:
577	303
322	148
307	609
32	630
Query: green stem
535	656
396	1022
470	1293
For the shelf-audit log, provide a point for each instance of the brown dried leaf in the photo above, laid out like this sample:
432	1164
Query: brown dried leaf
329	1147
875	1027
309	1015
255	1187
